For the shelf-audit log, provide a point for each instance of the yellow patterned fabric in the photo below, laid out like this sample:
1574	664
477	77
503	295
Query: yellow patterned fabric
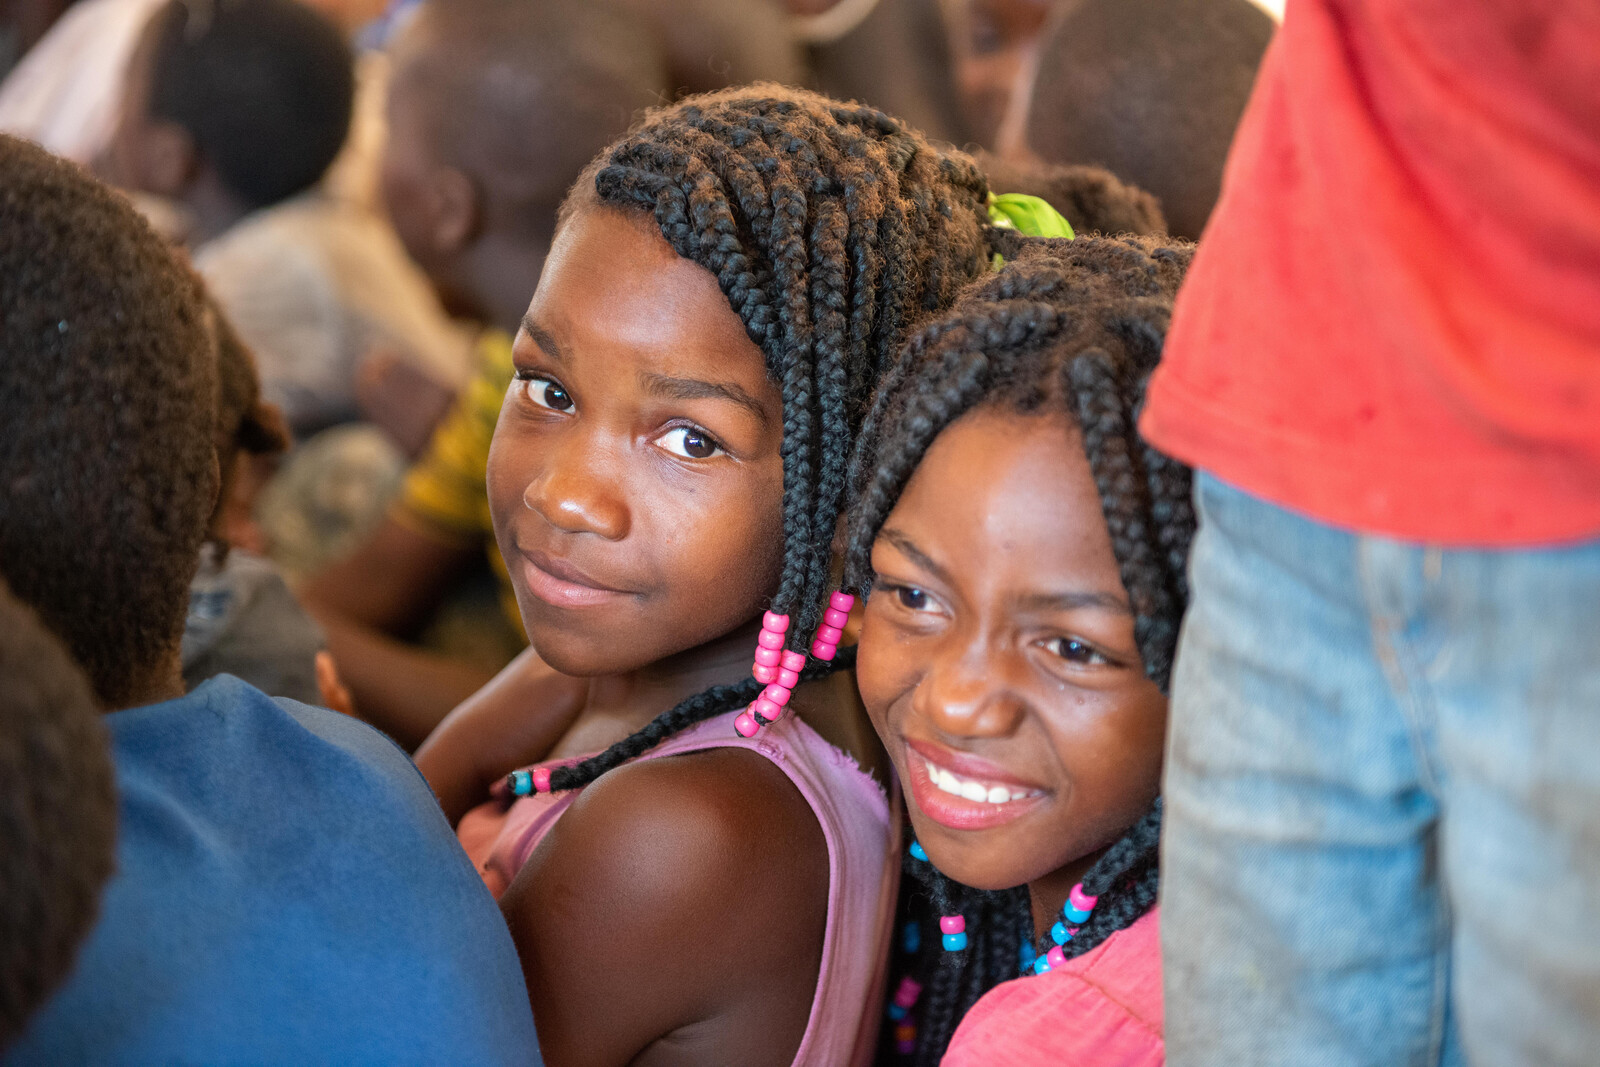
444	492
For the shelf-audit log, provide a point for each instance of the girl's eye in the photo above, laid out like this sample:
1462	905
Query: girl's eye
547	394
689	443
1078	652
913	599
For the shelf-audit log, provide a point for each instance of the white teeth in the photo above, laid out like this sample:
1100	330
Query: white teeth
971	789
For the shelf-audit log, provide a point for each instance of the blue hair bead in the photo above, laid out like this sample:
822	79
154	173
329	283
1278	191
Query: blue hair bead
1073	915
521	783
911	939
1041	965
1026	956
896	1012
917	853
955	942
1060	934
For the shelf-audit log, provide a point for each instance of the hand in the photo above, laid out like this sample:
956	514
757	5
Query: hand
334	694
401	399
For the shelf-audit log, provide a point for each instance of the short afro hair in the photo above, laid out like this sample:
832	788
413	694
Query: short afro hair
265	88
107	399
58	813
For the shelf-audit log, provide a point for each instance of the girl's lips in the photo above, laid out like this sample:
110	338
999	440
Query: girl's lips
571	589
965	810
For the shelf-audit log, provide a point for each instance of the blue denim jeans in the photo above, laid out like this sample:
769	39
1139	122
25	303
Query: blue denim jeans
1382	841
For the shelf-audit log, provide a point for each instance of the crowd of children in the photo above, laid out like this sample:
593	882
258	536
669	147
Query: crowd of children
861	585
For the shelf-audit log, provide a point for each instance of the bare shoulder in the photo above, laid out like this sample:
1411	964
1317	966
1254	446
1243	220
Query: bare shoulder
696	882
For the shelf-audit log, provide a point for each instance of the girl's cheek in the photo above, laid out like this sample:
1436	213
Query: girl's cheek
886	669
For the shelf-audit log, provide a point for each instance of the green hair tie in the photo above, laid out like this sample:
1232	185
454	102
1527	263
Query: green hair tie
1027	215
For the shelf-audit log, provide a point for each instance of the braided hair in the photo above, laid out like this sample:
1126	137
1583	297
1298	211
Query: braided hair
1077	327
831	228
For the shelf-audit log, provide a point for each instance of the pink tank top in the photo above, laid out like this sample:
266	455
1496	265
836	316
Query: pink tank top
863	868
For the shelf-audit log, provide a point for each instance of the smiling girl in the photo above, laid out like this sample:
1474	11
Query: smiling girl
688	883
1025	554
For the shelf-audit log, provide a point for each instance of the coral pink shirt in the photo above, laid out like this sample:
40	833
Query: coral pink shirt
1103	1009
863	868
1393	320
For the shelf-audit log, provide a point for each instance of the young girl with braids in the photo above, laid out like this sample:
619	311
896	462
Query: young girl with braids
1024	551
695	873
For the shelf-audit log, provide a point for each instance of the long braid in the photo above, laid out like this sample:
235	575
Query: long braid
1074	327
830	228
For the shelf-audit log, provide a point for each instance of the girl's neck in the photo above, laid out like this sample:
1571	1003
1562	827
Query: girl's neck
1049	893
627	702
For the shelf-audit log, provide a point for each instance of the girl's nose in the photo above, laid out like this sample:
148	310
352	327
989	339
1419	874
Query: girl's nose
966	695
578	492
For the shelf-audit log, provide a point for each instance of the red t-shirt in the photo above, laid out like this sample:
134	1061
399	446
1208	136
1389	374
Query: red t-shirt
1393	320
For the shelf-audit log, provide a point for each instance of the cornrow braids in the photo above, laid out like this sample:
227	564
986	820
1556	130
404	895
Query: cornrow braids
831	229
1075	327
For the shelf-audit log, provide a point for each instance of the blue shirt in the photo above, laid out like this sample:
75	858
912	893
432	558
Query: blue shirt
287	891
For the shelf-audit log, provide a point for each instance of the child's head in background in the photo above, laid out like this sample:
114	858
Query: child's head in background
1025	554
250	437
109	385
233	106
494	108
1149	89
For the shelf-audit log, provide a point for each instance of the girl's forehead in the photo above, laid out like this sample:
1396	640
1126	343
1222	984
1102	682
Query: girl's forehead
1010	499
613	292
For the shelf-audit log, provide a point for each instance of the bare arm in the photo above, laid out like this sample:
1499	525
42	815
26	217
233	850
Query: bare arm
675	916
513	721
370	600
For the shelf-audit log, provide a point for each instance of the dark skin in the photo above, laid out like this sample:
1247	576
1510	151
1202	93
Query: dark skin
374	600
992	42
636	484
998	644
159	157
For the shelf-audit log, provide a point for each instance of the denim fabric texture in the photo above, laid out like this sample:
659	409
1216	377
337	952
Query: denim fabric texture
1382	838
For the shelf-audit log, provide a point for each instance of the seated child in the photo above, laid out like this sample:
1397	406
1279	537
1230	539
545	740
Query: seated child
1025	554
286	889
670	461
243	620
235	111
58	809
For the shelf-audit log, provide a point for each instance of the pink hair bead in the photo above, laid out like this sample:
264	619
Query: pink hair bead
908	992
541	779
786	678
765	708
746	725
841	601
794	661
772	621
822	650
767	675
952	924
770	639
768	657
1056	957
1081	900
829	634
778	694
836	618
